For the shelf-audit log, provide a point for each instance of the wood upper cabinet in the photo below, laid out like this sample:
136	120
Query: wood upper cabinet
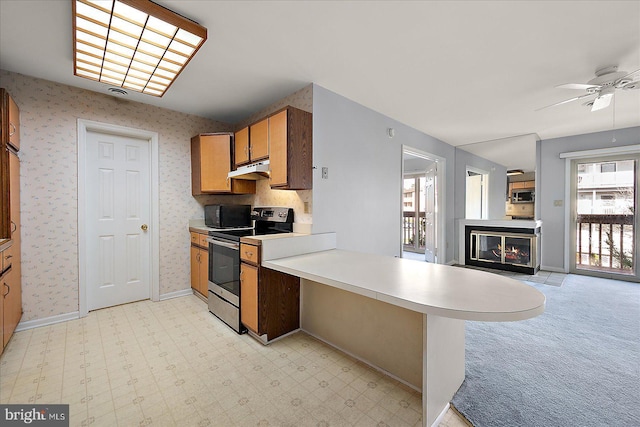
259	140
252	143
290	149
14	123
210	165
522	184
241	143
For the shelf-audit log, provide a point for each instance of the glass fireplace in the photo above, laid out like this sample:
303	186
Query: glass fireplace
503	250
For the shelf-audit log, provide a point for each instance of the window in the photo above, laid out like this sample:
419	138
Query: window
607	167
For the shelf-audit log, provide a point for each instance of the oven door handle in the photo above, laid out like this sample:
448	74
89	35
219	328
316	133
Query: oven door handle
235	246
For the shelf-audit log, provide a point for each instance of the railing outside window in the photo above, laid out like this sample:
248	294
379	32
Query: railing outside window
605	243
413	234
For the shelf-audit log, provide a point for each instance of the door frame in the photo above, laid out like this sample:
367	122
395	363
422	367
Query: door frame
569	206
484	195
441	228
85	126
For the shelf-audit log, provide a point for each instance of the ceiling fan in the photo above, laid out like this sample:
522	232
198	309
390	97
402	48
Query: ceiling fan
603	86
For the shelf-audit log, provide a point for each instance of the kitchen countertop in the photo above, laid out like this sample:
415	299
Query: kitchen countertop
447	291
256	240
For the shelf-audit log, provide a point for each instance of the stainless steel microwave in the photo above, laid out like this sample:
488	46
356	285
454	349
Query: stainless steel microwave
523	195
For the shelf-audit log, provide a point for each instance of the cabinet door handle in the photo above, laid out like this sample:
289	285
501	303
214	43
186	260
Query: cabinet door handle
8	257
14	227
198	257
248	254
12	132
8	290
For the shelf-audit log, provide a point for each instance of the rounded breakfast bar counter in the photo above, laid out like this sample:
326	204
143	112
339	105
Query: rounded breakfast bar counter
434	289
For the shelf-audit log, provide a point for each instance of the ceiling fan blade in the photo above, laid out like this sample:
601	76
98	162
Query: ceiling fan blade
579	86
627	81
601	102
566	101
629	75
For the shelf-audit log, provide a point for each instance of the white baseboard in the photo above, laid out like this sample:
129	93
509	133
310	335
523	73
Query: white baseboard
452	262
553	269
441	416
36	323
176	294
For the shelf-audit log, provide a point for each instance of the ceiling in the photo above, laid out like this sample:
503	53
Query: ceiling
464	72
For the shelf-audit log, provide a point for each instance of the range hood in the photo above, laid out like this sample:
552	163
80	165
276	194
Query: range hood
254	171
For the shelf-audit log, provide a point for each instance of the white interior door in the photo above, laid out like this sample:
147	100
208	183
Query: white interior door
117	214
430	214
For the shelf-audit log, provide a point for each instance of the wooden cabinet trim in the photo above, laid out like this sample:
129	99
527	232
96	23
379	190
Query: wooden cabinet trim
249	253
241	146
259	140
250	298
211	159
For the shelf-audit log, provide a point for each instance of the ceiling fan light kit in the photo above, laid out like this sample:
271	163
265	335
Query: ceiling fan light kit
603	86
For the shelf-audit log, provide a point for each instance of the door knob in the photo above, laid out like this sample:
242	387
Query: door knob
144	227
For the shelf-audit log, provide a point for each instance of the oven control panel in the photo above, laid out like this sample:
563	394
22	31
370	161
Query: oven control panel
275	214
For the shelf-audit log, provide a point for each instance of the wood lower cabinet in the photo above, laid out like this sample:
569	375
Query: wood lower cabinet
269	299
249	297
211	157
12	304
290	150
199	264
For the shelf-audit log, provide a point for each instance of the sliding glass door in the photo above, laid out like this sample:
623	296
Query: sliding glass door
604	220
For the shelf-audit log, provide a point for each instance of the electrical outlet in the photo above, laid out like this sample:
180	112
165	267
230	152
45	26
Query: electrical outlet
306	207
325	172
557	203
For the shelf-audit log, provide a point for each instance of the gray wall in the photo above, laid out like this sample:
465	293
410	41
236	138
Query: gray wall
497	186
361	199
497	183
551	185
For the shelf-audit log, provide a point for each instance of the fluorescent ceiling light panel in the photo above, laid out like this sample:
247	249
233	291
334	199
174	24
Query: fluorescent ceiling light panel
132	44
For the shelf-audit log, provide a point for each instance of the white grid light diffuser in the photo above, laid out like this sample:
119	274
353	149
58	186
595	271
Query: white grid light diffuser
133	44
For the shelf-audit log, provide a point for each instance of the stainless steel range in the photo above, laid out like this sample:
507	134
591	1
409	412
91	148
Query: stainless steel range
224	260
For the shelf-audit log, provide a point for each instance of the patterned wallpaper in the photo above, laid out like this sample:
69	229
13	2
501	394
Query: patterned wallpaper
49	186
265	196
302	99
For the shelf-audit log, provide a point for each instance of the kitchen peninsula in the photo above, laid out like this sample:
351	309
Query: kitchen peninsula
402	316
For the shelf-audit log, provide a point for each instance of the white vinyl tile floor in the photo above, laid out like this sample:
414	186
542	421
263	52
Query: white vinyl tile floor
172	363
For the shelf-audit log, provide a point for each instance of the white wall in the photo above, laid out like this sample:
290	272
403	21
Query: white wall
550	185
361	199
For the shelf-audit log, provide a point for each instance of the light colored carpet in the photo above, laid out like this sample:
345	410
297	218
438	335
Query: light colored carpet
577	364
